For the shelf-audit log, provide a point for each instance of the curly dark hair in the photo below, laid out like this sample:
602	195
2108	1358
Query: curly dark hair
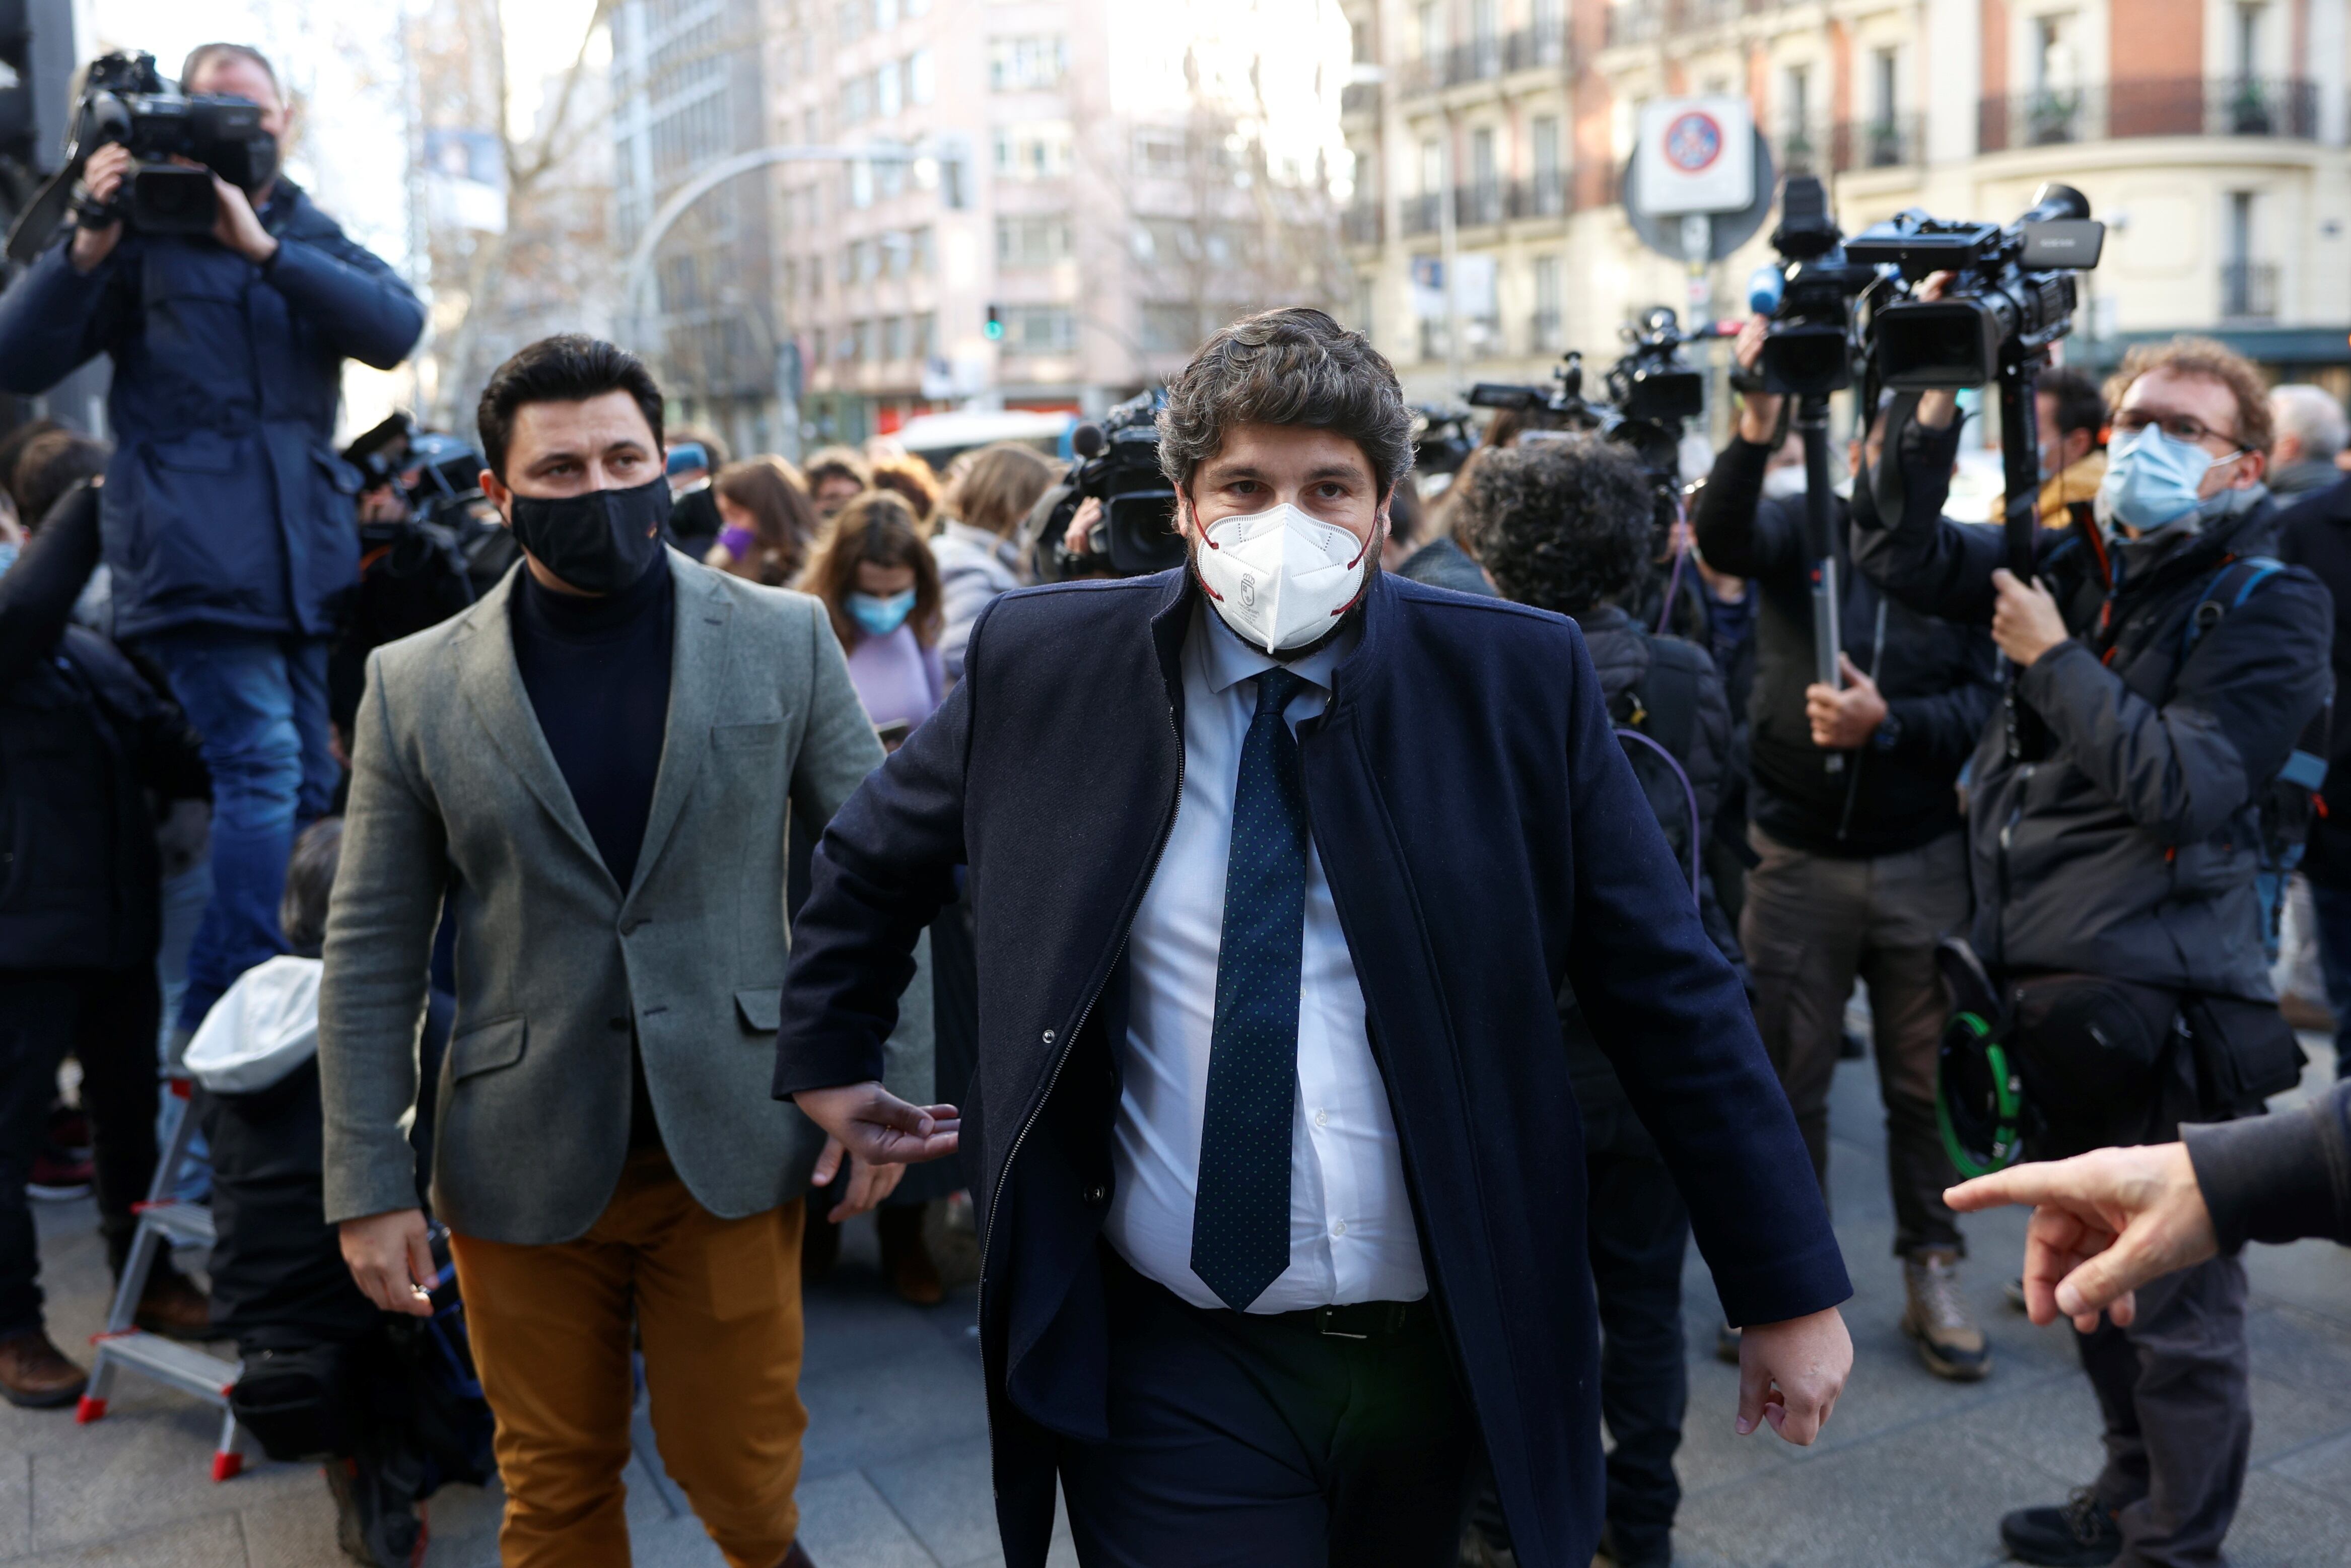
1562	524
1295	366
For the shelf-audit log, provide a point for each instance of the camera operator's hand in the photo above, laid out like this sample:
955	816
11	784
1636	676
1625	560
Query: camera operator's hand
390	1255
868	1184
2025	623
237	227
1758	412
1081	523
1845	720
101	182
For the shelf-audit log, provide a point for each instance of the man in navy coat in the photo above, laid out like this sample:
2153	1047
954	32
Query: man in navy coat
1279	865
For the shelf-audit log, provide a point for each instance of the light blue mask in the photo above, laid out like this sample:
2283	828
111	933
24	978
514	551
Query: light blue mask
8	556
2151	481
880	617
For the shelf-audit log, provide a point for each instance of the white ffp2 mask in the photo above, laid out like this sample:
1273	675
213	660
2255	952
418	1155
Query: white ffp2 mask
1279	577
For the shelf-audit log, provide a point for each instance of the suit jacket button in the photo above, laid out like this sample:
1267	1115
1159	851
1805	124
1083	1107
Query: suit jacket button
1097	1195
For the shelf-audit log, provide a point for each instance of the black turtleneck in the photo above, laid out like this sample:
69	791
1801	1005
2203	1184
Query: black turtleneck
597	673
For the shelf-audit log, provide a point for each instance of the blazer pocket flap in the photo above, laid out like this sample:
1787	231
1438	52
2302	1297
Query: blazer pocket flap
498	1044
762	1010
745	736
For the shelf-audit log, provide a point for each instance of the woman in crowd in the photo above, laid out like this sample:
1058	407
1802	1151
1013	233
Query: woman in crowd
766	522
881	587
836	476
979	554
911	479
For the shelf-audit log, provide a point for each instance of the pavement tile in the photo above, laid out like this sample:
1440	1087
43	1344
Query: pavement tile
2314	1276
291	1532
2323	1466
16	1504
923	1397
215	1541
2281	1525
149	1462
846	1524
946	1497
1866	1506
2051	1424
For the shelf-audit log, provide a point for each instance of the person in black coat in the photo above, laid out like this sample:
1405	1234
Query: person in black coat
2164	675
1277	864
86	747
2315	533
1854	820
1565	526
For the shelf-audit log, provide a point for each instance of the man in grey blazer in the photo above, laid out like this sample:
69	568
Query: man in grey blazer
595	768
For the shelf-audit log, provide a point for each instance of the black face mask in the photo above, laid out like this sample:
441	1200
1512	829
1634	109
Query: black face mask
598	542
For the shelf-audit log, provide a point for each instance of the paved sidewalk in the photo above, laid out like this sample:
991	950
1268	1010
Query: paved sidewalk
1912	1470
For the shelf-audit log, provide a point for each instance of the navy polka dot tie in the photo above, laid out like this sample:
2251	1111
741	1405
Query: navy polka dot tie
1241	1225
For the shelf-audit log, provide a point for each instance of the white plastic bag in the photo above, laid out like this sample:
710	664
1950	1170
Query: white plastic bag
263	1028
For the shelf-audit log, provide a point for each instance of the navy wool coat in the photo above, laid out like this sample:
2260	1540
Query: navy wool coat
225	504
1484	838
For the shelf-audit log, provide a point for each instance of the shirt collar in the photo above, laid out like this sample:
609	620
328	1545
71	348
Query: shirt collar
1227	661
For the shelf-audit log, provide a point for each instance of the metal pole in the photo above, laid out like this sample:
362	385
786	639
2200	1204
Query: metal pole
1828	641
1449	251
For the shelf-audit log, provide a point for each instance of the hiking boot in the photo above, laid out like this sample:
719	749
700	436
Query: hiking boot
905	1260
1937	1320
2081	1533
371	1525
35	1374
172	1306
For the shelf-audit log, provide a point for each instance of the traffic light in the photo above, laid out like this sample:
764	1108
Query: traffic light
995	327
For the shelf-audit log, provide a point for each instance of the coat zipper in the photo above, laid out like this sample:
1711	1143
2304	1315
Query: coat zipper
1060	1061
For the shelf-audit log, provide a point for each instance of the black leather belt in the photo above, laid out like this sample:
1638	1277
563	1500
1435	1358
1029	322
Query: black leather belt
1364	1320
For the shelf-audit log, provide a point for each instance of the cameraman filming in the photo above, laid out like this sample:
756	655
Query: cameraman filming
1862	869
228	517
2164	674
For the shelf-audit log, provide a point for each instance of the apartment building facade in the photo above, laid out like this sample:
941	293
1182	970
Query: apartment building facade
2210	134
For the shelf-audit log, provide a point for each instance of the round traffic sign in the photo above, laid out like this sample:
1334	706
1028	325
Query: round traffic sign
1693	141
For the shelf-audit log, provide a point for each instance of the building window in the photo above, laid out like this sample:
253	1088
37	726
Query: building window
889	89
922	253
1159	151
926	331
2249	39
1031	241
1549	326
921	77
1432	30
894	339
1886	70
885	14
1432	167
1025	65
817	342
852	20
1170	328
1040	329
1040	150
1359	36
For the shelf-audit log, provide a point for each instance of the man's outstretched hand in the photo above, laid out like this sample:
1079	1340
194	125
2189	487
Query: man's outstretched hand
875	1127
2104	1224
1791	1373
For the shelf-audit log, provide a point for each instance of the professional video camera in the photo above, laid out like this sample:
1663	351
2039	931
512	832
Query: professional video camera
1119	467
1651	393
1810	295
125	101
2012	291
437	476
1442	439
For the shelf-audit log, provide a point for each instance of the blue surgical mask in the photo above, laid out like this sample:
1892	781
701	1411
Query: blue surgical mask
2151	481
880	617
8	556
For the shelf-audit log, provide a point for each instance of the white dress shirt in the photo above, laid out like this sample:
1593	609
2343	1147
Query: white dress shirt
1351	1226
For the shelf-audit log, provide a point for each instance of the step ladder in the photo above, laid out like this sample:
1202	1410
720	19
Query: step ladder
122	1343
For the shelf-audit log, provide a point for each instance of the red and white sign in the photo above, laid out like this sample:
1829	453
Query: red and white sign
1695	155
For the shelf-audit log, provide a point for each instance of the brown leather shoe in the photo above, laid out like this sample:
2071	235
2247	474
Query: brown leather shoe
35	1374
174	1307
905	1260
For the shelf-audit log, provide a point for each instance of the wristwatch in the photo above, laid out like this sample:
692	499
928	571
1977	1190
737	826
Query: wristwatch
1888	733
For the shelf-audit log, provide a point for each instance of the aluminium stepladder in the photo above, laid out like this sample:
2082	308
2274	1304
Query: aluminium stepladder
164	1222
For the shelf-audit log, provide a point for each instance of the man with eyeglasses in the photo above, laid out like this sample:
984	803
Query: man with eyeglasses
2164	670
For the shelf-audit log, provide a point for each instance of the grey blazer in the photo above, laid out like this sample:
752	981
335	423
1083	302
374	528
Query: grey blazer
455	791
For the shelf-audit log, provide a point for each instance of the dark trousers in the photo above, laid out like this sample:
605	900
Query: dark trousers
2333	907
1250	1442
2179	1424
1638	1230
106	1018
1812	923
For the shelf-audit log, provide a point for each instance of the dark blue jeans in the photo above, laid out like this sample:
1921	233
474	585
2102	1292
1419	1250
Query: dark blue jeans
259	701
2333	906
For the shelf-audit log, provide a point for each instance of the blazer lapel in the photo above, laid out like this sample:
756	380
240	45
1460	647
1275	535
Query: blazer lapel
696	667
493	685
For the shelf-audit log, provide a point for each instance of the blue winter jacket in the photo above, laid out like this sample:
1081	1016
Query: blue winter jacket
225	504
1485	839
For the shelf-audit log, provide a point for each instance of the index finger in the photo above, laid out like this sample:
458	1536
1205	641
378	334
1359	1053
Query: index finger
2027	1184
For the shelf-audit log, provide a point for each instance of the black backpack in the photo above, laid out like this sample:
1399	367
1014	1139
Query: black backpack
1656	721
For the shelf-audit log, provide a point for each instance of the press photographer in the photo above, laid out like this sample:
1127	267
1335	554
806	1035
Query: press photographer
1862	868
228	517
2164	674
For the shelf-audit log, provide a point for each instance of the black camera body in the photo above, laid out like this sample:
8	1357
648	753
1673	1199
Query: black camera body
1442	438
125	101
1651	392
2012	293
1808	348
1118	465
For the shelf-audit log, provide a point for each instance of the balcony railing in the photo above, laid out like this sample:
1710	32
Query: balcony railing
1891	142
1486	59
1360	98
1550	196
2249	290
1419	214
1362	225
2222	105
1484	202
